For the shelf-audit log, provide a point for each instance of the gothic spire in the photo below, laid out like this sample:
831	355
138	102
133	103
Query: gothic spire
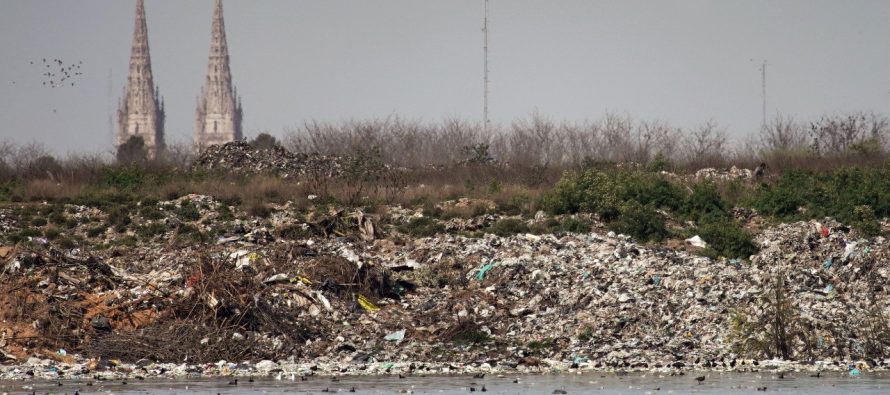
219	110
140	112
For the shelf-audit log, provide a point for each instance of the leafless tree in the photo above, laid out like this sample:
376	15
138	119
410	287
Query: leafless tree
783	134
706	145
838	135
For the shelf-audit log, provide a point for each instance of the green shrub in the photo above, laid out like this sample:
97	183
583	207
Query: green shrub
494	187
516	205
604	192
151	230
574	225
508	227
39	221
641	222
536	345
705	203
150	212
422	227
96	230
104	200
225	214
187	211
591	191
124	177
865	221
30	232
432	211
51	232
191	234
726	238
57	217
66	243
119	216
807	195
567	225
126	241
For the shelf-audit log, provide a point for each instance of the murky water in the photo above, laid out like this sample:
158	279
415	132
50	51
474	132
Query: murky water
714	383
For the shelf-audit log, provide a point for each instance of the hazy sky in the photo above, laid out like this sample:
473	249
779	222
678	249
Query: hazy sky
683	62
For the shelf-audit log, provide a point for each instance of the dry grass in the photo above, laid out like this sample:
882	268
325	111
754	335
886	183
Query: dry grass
452	159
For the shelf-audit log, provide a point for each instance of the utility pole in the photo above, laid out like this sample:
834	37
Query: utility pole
485	72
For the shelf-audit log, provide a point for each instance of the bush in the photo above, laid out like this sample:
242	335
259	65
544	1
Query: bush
508	227
567	225
150	212
104	200
264	141
705	203
726	238
641	222
51	232
151	230
574	225
865	221
96	231
808	195
187	211
132	151
39	221
422	227
119	217
66	243
57	218
225	214
124	177
604	192
516	205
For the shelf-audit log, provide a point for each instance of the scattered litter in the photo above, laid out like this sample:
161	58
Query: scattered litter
696	241
395	336
366	304
480	275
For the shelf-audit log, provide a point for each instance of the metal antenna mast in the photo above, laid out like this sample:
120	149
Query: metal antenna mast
763	86
485	72
110	102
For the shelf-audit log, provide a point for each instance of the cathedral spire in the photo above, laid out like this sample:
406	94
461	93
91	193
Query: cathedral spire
219	109
140	113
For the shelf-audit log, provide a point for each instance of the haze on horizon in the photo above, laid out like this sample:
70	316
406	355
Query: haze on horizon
680	61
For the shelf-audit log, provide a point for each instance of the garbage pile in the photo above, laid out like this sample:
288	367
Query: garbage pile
193	281
239	157
722	175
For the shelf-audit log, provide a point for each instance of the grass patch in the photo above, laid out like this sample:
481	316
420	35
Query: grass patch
422	227
508	227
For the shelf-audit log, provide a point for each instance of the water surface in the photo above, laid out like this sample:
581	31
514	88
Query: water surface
588	383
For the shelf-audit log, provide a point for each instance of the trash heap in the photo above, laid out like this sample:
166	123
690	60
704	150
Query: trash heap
333	293
239	157
719	175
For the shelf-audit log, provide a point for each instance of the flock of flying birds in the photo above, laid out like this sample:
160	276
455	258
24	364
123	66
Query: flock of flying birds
60	74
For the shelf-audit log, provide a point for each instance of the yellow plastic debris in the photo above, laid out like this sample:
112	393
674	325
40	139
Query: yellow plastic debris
365	303
301	279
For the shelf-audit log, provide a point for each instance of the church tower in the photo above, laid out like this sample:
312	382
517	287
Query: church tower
219	107
140	113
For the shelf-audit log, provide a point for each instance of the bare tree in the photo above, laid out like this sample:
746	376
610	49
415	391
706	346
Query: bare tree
838	135
706	146
783	135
